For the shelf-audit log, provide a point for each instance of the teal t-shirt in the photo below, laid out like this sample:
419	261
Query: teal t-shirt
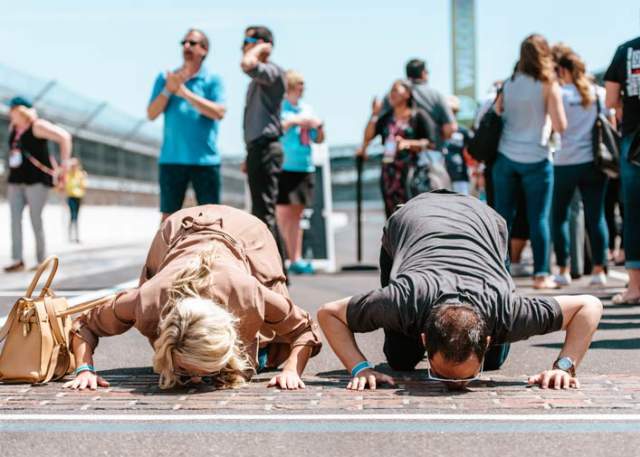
190	138
295	142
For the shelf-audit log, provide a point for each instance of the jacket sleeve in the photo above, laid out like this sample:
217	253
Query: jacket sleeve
113	318
290	323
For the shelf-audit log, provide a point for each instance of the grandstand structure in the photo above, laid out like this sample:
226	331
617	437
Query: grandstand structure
119	151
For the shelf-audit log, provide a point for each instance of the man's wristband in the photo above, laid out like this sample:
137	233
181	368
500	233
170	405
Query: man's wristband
166	93
364	365
373	119
85	367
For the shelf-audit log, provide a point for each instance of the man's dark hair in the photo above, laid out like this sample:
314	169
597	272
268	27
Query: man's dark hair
456	331
260	32
414	68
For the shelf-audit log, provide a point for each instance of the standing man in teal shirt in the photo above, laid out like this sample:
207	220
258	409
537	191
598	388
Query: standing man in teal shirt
192	101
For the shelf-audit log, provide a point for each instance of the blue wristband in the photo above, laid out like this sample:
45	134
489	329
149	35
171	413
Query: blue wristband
85	367
166	93
364	365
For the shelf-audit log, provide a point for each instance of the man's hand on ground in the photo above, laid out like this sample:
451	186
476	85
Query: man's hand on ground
556	379
86	379
287	380
369	378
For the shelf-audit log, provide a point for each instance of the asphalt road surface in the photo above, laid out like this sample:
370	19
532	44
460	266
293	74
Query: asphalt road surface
499	416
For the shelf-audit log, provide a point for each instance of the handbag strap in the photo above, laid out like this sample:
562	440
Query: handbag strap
53	322
53	364
49	261
86	306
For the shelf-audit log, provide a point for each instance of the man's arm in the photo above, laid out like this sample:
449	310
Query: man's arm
613	100
206	107
580	318
251	60
332	318
162	90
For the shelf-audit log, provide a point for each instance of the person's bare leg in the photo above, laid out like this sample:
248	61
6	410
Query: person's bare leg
517	246
284	215
297	211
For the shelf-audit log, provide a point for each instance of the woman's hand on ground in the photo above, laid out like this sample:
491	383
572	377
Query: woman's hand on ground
287	380
86	380
370	378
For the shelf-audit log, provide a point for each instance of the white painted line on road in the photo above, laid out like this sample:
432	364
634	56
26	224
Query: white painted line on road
323	417
620	275
92	295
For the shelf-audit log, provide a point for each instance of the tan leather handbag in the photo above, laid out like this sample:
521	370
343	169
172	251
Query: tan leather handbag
37	333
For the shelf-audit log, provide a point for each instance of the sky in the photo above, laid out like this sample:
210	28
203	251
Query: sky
348	51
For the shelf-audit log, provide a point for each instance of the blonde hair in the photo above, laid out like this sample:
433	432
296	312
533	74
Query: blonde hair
199	331
293	79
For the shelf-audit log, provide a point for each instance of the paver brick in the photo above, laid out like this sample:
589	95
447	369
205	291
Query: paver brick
498	394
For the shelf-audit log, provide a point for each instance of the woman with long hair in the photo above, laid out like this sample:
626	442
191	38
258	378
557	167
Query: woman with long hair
32	173
530	103
574	166
405	131
213	303
297	180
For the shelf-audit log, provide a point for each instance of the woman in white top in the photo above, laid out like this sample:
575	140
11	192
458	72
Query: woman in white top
530	104
574	167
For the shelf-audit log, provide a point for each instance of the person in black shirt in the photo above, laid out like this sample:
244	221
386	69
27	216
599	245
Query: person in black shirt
446	292
32	171
404	131
622	82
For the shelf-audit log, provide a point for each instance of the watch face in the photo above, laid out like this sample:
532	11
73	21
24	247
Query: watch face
564	364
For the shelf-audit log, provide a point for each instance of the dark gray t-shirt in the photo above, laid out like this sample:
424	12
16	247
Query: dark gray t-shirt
264	98
451	248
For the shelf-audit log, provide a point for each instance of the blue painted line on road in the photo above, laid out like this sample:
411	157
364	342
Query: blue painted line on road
338	426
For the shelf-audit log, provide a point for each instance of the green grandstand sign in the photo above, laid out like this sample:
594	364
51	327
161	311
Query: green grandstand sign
463	42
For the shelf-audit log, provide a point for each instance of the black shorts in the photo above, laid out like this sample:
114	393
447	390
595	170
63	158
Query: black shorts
296	188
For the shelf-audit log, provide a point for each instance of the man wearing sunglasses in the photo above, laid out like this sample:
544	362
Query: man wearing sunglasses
192	102
446	294
262	126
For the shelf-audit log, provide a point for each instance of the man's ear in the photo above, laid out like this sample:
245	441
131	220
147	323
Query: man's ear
423	338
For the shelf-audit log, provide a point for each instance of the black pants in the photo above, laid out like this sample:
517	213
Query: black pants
403	353
264	164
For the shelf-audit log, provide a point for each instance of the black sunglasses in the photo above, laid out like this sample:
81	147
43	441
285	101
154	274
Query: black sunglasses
191	42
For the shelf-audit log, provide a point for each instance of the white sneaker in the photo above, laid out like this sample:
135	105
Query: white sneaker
563	279
599	279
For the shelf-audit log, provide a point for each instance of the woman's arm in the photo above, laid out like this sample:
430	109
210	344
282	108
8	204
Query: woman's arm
555	108
83	354
293	368
48	131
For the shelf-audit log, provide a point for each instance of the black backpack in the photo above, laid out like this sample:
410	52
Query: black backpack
483	146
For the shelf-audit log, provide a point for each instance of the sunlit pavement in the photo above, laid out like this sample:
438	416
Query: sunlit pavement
608	401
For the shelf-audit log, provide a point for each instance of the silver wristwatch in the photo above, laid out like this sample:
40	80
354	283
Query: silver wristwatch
565	364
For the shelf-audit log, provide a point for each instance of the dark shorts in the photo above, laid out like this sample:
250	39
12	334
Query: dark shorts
296	188
174	180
